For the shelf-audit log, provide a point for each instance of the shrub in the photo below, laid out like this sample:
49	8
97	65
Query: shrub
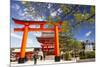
82	55
87	55
90	54
67	56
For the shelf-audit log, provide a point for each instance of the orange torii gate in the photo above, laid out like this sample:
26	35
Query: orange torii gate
27	29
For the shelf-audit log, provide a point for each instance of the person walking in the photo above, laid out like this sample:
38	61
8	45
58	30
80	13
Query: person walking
40	54
44	55
62	55
35	57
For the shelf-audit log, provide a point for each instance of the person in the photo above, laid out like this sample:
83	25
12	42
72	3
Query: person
44	55
40	54
62	55
35	57
26	59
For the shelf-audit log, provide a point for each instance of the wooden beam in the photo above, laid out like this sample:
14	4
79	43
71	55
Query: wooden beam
34	29
23	22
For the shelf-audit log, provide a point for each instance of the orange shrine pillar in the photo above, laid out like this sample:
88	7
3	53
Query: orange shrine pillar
57	51
23	45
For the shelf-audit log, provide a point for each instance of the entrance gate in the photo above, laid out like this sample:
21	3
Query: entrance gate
27	29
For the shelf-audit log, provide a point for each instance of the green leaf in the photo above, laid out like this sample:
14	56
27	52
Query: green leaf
65	26
92	9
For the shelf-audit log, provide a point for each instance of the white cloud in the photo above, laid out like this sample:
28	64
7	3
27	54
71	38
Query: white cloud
88	33
59	10
16	36
40	18
30	42
81	40
16	6
20	37
49	6
30	15
34	26
53	14
38	34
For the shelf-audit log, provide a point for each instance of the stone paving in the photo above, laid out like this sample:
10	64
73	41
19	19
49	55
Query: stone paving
39	62
49	60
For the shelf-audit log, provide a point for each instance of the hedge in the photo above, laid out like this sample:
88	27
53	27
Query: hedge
87	55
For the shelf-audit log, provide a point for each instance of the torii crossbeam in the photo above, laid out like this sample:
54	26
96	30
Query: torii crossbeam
27	29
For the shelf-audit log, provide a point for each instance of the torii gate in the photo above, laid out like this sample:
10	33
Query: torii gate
27	29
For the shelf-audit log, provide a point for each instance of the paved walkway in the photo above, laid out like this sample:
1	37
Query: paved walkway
49	60
39	62
86	60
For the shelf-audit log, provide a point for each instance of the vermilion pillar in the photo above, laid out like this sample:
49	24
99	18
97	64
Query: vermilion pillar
23	46
57	51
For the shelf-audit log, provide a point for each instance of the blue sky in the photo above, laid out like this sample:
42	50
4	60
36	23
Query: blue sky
40	13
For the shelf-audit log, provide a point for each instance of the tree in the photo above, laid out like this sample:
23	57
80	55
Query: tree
79	12
80	15
75	47
64	40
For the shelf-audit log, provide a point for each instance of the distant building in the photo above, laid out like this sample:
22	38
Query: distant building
47	42
89	46
15	53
